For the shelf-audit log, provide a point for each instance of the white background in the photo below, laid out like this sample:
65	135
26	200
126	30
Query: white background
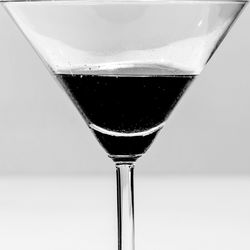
42	133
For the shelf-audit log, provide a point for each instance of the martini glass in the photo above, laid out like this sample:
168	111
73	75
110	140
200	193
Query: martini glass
125	64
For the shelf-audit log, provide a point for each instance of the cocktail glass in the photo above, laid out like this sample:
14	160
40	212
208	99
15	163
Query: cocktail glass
125	64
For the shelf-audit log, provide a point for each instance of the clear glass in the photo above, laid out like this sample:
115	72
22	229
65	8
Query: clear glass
78	36
134	56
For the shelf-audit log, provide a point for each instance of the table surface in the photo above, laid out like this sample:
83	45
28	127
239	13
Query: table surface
174	212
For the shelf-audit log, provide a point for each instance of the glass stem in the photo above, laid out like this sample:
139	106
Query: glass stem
125	205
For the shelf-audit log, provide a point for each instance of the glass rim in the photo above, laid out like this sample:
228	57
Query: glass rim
96	2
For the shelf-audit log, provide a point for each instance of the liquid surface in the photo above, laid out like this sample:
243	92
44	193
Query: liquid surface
125	104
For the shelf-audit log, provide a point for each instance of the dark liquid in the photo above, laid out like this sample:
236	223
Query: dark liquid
125	104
